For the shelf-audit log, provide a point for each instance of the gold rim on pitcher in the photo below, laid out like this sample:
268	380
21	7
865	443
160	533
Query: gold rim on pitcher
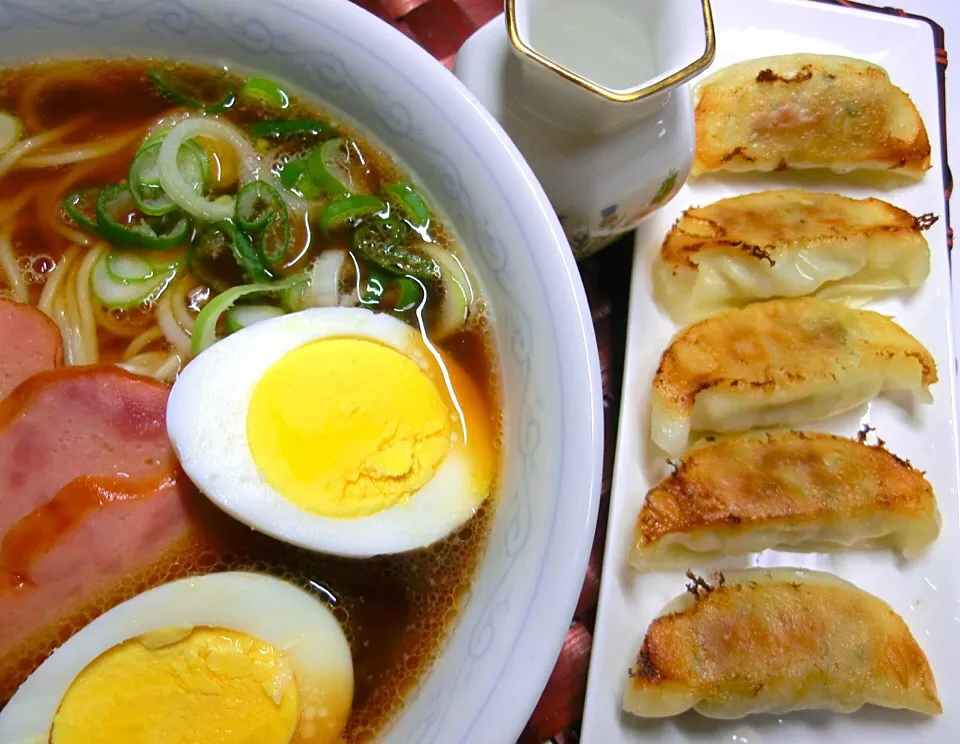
680	76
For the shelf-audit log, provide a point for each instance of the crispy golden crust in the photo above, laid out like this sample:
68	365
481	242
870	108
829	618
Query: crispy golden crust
776	641
807	111
812	486
764	225
776	346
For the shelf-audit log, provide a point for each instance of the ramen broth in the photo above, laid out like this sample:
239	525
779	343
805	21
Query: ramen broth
395	610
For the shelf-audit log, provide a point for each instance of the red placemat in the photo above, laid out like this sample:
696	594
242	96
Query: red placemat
441	27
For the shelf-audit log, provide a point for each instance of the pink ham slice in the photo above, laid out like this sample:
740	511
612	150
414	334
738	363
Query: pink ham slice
29	343
90	494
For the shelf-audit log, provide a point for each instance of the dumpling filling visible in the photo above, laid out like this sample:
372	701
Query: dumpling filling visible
807	111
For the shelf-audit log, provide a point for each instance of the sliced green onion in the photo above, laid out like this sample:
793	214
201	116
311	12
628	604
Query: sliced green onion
374	234
182	192
155	135
119	294
458	295
257	203
291	172
411	204
411	293
144	176
120	223
128	266
213	242
212	261
347	210
274	241
81	207
240	316
180	91
150	171
246	255
292	128
329	169
292	298
404	262
266	91
381	242
11	131
164	259
293	177
261	208
205	329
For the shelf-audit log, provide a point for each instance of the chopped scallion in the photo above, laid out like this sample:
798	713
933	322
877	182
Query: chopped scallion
180	91
381	241
205	329
266	91
413	206
348	210
80	206
120	222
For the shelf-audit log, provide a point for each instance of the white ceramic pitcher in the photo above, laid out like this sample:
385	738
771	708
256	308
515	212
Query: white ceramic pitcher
595	96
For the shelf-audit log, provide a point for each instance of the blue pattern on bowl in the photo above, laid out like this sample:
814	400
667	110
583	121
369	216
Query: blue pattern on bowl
282	39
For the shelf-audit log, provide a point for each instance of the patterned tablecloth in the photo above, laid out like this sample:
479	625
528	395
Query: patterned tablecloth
441	27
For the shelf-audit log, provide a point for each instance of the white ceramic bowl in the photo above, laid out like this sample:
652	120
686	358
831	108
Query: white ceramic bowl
494	667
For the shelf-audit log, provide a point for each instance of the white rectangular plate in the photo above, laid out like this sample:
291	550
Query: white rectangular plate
925	591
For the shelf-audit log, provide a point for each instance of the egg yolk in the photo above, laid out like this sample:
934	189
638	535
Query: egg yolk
203	686
345	427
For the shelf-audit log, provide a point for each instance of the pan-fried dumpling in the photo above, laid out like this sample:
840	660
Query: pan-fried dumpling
793	490
787	244
807	111
772	641
781	363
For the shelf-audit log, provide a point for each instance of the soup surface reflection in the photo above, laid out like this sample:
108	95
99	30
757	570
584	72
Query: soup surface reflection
93	235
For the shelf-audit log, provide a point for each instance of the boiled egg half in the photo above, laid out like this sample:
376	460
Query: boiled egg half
228	657
336	429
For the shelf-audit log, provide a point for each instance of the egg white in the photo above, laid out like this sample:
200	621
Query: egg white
207	424
264	607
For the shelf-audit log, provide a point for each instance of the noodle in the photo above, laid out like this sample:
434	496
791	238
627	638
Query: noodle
48	205
12	207
82	152
54	278
168	371
141	342
176	336
8	263
160	365
146	363
88	326
67	316
179	303
32	93
11	156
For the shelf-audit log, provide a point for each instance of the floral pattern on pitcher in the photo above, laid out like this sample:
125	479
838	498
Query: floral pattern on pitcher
665	192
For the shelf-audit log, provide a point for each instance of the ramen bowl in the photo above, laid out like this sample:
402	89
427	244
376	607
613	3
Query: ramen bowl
496	660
